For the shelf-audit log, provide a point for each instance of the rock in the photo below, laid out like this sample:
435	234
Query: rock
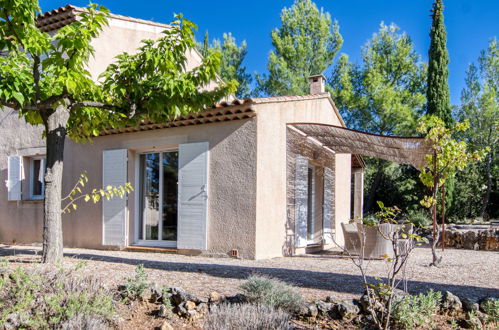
202	308
333	299
312	311
190	305
450	302
146	295
301	310
323	307
484	302
166	326
163	311
179	296
347	308
181	310
192	314
156	294
399	294
237	299
469	305
215	297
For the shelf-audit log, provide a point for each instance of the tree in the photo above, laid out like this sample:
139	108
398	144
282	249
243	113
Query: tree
447	157
437	95
480	106
304	45
44	77
382	95
231	68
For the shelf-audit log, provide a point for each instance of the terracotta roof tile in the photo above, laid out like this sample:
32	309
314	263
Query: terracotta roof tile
57	18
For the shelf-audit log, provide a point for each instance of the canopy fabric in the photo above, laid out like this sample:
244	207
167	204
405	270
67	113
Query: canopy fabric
402	150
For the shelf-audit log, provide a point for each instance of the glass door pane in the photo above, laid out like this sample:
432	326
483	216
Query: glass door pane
150	195
311	204
170	188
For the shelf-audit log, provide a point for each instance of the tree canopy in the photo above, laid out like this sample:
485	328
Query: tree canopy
45	77
385	93
438	96
232	67
304	45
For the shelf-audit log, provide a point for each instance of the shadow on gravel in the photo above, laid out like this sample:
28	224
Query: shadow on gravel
328	281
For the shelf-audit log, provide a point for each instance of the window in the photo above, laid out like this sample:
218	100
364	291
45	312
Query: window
36	177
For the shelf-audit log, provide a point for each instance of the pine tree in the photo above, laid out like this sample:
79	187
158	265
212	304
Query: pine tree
304	45
438	96
231	68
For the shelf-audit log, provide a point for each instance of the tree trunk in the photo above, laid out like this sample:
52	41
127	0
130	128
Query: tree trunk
486	197
374	186
55	129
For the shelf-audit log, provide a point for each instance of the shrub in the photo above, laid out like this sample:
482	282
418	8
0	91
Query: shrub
54	299
415	311
271	292
419	218
246	316
491	308
135	286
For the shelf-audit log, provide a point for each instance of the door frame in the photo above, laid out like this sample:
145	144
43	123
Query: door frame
138	184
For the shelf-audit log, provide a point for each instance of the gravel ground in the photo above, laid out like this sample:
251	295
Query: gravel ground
466	273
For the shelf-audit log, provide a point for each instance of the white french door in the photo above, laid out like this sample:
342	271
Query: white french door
158	198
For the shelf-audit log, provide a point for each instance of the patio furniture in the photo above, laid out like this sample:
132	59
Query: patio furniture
352	238
376	245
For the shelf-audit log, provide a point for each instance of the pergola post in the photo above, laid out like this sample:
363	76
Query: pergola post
358	193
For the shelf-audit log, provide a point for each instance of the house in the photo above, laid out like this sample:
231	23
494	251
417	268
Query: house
241	178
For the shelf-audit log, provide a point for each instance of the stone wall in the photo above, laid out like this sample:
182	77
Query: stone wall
472	237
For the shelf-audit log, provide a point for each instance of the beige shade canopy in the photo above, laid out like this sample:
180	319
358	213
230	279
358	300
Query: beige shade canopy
402	150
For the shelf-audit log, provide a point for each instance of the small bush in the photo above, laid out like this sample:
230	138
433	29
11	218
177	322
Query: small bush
415	311
54	299
246	317
491	308
271	292
135	286
419	218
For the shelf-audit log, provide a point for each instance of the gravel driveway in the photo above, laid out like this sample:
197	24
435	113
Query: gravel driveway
463	272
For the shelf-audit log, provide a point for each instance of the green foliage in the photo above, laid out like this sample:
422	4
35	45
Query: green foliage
385	94
491	308
167	302
271	292
420	218
231	68
135	286
438	96
246	316
53	299
77	194
413	312
480	107
451	155
305	44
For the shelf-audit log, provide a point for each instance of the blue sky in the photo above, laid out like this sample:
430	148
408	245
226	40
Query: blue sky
470	24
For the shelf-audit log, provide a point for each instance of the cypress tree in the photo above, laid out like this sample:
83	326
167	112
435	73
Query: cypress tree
438	98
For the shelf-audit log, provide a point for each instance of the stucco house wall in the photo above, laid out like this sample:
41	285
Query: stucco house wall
271	214
231	182
19	220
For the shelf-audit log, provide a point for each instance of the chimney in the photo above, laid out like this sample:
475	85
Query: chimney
317	84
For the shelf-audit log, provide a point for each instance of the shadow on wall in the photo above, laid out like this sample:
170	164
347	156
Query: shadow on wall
327	281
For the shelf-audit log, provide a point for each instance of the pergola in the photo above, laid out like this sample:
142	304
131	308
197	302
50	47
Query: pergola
336	139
